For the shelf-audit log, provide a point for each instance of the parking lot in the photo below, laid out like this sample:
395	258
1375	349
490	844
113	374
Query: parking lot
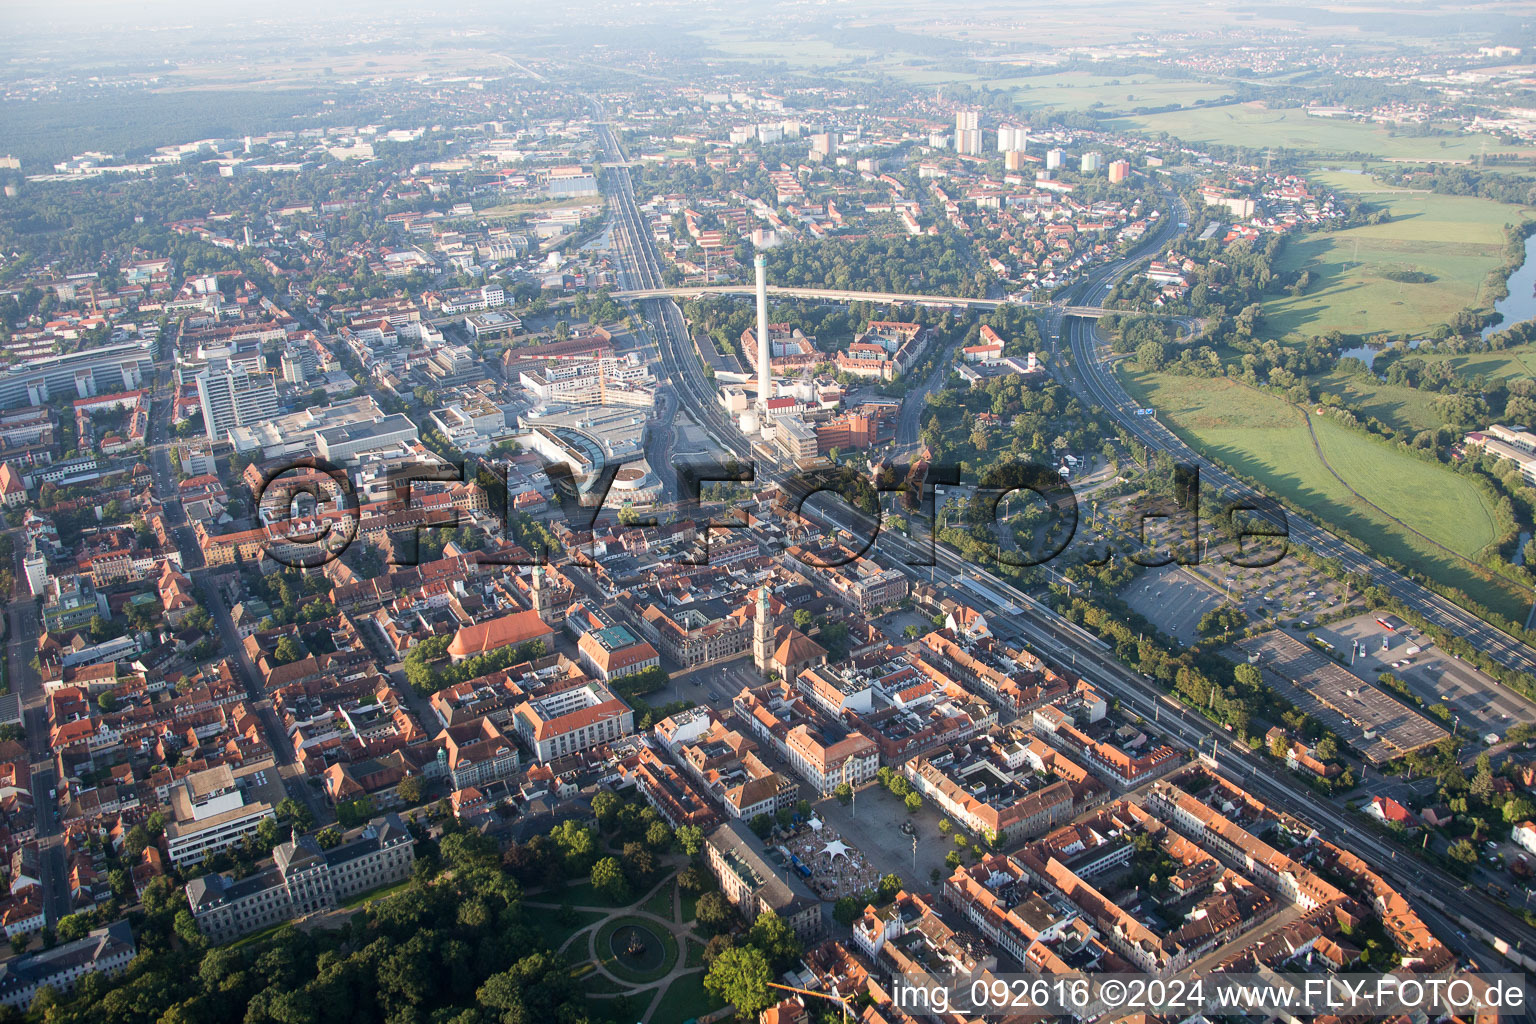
1173	600
1477	699
1377	724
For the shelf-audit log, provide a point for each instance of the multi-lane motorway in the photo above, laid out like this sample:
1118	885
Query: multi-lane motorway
1097	383
1068	647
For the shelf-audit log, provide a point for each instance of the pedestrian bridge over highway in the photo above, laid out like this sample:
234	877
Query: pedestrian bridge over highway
836	295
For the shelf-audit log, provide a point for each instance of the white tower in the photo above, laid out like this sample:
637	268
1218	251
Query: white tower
764	375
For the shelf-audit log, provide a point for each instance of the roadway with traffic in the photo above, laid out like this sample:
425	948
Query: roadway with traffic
1068	647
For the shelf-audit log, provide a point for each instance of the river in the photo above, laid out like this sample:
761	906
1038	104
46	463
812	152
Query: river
1520	303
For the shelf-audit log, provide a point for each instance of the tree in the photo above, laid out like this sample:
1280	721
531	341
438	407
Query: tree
846	910
713	912
608	879
658	836
761	826
1463	851
914	803
605	807
944	826
72	927
844	793
328	837
411	790
890	885
287	651
803	620
135	842
774	936
740	977
691	839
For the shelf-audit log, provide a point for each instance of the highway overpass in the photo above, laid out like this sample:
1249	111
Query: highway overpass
888	298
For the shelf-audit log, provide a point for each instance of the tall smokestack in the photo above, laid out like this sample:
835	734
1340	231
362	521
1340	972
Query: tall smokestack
764	376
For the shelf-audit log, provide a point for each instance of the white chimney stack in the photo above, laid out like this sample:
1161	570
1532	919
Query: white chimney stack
764	374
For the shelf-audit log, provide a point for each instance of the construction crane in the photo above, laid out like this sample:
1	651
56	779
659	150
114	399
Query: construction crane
835	996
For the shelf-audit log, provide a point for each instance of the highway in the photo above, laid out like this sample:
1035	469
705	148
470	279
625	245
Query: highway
1068	647
1098	384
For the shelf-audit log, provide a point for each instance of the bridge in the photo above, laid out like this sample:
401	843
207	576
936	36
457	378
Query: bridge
886	298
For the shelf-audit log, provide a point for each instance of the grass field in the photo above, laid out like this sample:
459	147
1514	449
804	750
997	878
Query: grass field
1519	361
1079	90
1401	407
1456	239
1266	439
1257	126
685	1000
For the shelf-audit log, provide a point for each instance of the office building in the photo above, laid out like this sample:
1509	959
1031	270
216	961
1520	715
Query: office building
212	812
232	396
81	374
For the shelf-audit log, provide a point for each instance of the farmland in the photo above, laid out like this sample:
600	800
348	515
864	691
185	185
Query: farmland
1266	439
1457	240
1257	127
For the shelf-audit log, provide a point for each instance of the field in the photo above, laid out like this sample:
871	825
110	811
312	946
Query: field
1457	240
1266	439
1519	361
1079	90
1257	127
1401	407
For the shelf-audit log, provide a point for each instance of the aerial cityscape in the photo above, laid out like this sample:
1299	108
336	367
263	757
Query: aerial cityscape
791	513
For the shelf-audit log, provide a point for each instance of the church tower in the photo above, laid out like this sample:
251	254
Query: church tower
540	595
762	632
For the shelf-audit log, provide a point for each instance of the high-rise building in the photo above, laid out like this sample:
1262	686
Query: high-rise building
1012	140
1013	160
1119	170
967	133
824	143
1091	163
231	396
1054	158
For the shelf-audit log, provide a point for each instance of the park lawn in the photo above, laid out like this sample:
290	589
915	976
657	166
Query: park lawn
660	902
685	999
1401	407
694	955
690	905
1458	240
1265	439
553	930
1256	126
580	894
382	892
